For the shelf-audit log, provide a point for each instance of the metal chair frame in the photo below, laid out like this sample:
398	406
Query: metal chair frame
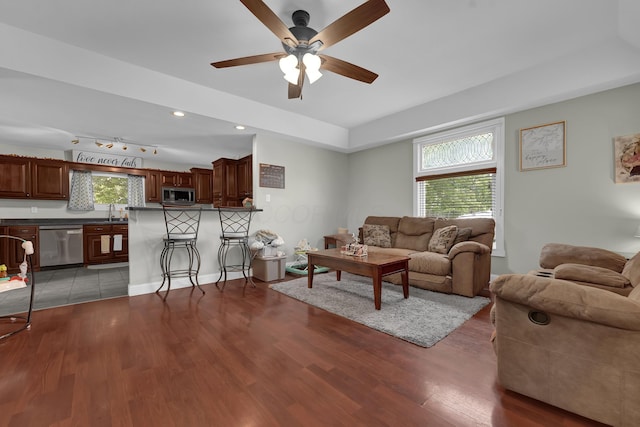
235	224
182	224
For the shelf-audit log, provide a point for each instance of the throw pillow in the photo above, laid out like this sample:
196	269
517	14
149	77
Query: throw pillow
463	235
376	235
442	239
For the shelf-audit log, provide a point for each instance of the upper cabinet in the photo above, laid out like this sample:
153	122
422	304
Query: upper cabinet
232	181
245	177
25	178
49	180
203	183
153	186
15	179
177	179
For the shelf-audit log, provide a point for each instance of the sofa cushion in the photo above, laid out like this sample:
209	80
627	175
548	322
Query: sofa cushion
442	239
414	233
554	254
391	251
631	270
463	235
376	235
590	274
430	263
482	229
635	294
390	221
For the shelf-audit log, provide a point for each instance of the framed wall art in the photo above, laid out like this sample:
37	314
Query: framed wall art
627	158
543	146
271	176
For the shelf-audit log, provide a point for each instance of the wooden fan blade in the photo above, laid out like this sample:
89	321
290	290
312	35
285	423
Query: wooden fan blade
352	22
256	59
295	91
271	21
347	69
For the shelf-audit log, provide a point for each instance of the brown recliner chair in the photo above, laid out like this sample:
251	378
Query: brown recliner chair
589	266
572	346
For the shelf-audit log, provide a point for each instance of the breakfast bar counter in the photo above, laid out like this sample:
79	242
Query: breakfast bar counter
146	232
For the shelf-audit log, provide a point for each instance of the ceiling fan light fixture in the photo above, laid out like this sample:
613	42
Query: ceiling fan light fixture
292	76
288	64
312	64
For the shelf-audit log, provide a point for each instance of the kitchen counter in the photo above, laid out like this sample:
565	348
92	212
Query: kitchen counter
194	208
59	221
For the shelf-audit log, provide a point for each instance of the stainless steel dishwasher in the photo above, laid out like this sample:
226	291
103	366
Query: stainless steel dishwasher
60	245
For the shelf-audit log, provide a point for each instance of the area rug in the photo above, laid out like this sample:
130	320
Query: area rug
424	318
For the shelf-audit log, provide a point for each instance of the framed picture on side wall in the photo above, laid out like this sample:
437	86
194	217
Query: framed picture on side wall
543	146
627	158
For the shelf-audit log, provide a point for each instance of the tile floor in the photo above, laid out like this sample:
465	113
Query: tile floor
67	286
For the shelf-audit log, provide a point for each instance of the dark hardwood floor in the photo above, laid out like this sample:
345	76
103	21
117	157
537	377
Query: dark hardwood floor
254	359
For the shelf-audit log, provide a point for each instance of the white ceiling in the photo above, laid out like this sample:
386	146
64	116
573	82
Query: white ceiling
118	68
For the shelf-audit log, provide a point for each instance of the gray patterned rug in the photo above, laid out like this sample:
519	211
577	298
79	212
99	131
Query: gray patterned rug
423	319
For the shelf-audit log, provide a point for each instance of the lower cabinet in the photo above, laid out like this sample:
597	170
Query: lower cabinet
99	241
12	253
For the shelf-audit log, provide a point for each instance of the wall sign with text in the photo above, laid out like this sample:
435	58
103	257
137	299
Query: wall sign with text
271	176
106	159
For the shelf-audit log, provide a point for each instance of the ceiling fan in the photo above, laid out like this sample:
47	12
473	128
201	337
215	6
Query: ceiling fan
301	44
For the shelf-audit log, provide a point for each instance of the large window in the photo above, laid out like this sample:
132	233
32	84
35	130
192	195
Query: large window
459	174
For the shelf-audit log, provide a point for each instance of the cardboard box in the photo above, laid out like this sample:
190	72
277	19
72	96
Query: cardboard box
269	269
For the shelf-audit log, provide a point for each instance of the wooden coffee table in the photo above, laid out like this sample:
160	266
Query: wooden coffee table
374	265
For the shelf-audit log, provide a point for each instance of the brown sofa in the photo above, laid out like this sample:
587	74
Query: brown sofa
589	266
572	346
463	268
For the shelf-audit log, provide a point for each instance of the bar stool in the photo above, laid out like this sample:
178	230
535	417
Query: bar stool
235	223
182	224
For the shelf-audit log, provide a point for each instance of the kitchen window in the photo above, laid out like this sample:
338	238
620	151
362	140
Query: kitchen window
110	188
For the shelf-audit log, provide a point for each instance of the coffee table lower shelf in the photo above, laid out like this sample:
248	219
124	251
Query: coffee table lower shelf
303	269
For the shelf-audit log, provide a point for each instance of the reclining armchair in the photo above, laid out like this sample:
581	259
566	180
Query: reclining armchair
572	346
589	266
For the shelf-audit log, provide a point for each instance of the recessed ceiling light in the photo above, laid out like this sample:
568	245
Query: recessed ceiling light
240	127
178	113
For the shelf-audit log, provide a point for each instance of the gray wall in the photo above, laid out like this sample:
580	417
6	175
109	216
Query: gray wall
314	200
577	204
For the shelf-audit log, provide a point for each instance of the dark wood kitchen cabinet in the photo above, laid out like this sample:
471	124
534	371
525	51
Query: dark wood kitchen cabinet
232	181
176	179
24	178
93	253
153	186
49	180
203	183
245	178
14	253
15	179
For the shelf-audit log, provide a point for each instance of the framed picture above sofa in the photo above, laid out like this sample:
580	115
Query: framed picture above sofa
543	146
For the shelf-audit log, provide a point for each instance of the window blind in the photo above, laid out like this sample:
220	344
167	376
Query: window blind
470	193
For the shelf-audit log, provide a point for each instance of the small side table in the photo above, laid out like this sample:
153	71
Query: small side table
337	240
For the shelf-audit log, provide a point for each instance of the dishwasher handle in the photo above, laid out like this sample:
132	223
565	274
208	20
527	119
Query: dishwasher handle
61	227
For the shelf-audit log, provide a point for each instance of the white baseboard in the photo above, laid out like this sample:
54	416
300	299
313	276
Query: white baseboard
181	282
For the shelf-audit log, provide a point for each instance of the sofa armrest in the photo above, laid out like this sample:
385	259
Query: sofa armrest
470	268
568	299
468	246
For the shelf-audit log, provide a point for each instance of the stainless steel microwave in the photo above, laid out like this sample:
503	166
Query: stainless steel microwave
178	196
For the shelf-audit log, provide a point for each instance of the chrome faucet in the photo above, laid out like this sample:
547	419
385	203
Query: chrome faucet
111	208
